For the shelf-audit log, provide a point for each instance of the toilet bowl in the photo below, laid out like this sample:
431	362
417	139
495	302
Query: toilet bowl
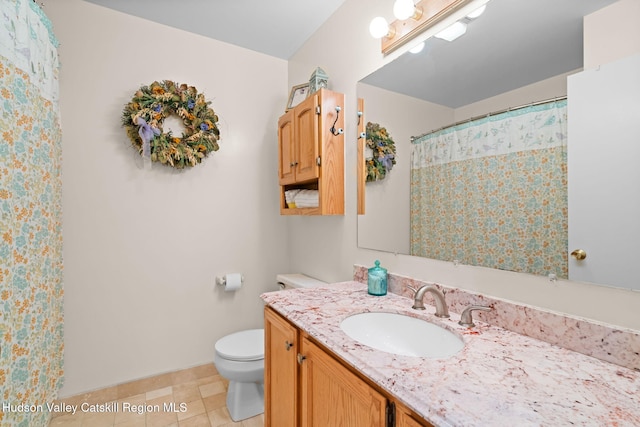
240	359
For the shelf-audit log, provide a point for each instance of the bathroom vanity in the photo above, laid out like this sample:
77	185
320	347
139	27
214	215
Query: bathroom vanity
305	380
315	374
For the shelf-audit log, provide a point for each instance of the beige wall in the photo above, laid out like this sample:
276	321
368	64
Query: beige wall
142	248
604	29
546	89
345	50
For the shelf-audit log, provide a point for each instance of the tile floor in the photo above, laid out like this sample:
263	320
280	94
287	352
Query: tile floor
198	395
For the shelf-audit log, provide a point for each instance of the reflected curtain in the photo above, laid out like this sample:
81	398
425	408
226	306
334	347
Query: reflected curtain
492	192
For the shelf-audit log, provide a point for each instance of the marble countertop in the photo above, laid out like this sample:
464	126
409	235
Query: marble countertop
499	378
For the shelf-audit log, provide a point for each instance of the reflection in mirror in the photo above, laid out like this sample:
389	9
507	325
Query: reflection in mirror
492	191
518	52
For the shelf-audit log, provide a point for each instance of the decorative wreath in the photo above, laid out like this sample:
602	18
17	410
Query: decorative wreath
144	115
384	152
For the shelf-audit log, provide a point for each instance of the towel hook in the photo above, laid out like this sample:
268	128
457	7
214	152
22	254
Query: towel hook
333	130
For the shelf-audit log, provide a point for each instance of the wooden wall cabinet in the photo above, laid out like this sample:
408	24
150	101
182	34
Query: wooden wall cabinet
361	169
307	386
311	152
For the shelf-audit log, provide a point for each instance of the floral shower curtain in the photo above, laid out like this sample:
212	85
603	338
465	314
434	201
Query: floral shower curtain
31	316
493	192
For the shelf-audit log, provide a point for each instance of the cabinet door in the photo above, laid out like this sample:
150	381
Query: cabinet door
281	369
331	395
307	139
404	419
286	152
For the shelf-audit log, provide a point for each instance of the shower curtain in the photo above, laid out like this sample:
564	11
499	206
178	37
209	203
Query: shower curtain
31	322
492	192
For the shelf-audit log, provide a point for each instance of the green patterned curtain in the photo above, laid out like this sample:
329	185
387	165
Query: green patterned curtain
493	192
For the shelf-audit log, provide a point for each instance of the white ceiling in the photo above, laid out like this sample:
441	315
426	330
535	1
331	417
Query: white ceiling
274	27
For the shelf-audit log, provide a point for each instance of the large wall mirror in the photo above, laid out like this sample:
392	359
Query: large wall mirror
518	52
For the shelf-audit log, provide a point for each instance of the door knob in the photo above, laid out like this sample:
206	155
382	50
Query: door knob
288	345
579	254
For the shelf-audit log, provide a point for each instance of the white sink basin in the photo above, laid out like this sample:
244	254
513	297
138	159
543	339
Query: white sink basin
400	334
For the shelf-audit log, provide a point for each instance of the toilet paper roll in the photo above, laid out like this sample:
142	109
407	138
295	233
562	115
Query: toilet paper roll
233	282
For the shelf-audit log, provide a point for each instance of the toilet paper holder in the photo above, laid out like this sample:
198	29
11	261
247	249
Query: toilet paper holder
222	280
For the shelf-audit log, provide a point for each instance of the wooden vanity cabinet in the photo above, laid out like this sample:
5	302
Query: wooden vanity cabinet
331	395
307	386
405	419
311	155
281	371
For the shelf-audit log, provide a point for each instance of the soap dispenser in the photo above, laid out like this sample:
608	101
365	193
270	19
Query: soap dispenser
377	280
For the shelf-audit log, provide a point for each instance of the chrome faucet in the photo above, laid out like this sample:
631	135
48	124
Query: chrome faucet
438	297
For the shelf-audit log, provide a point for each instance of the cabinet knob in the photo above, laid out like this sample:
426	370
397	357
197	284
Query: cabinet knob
288	345
301	359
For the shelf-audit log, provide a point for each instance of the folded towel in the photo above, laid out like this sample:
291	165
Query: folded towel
304	204
307	199
307	195
300	199
290	195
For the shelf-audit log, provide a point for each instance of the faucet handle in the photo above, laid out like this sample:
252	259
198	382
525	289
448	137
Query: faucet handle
417	301
466	318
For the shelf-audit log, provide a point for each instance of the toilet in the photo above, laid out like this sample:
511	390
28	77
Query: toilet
240	359
293	281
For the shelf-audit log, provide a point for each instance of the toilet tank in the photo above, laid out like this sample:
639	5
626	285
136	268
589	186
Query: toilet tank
292	281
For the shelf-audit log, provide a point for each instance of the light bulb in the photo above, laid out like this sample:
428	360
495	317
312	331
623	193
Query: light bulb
479	11
379	27
417	48
453	31
403	9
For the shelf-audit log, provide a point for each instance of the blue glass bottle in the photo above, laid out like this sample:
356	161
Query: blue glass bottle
377	280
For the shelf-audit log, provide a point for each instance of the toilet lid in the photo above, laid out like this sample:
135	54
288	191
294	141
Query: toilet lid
243	345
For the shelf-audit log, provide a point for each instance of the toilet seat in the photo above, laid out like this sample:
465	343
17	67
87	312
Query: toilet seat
245	345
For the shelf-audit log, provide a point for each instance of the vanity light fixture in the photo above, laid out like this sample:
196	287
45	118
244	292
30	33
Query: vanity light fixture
417	16
379	28
452	32
405	9
458	28
402	10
